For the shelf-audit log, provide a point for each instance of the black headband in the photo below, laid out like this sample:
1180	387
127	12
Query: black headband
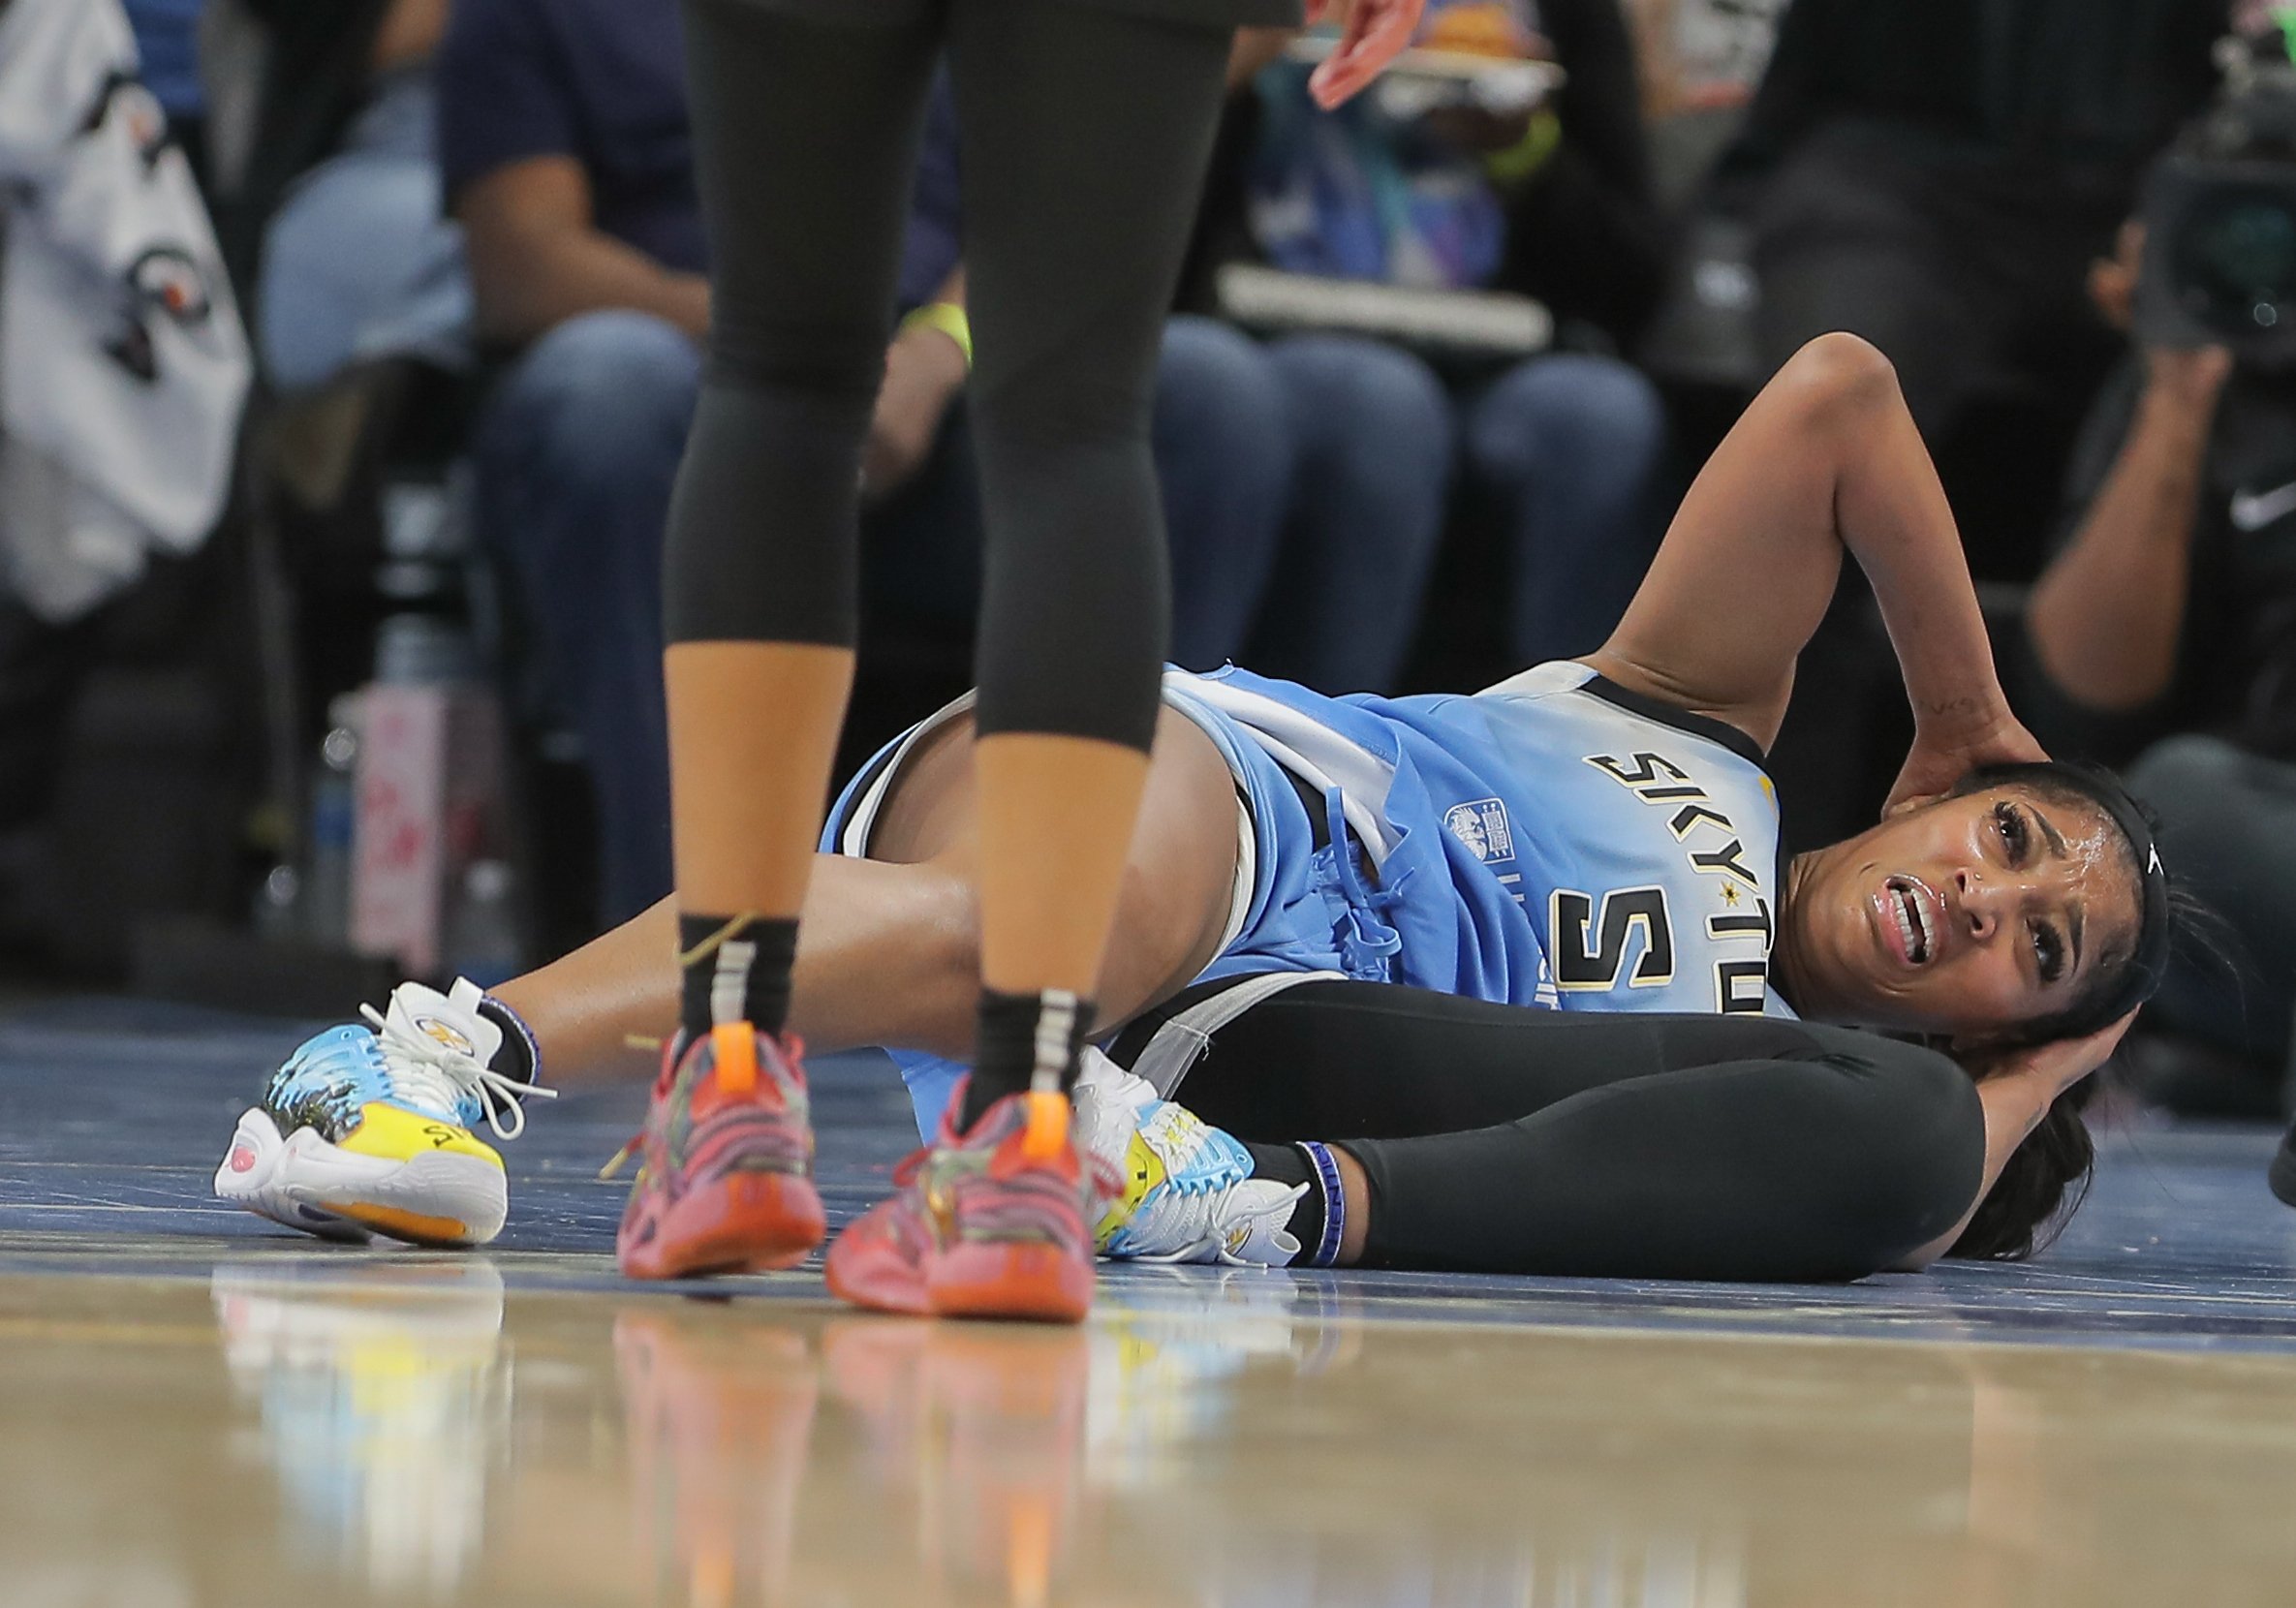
2142	977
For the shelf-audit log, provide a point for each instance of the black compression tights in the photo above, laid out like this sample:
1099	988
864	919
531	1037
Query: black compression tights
1084	140
1609	1146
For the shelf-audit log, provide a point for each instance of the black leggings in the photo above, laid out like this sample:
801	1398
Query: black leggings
1085	135
1610	1146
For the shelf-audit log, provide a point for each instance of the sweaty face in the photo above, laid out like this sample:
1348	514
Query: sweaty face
1969	916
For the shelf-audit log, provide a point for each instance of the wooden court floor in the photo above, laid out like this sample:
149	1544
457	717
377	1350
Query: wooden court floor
198	1408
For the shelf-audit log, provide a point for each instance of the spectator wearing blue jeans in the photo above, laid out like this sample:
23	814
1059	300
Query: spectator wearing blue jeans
1375	446
358	264
1304	485
1565	451
564	152
1568	452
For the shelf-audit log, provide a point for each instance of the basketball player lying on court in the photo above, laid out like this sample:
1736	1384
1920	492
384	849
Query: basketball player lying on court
1630	1041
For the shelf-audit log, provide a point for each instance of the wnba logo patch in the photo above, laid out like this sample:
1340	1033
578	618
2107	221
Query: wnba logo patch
438	1032
1482	826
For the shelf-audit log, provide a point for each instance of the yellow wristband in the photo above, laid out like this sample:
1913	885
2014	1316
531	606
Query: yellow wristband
1523	158
947	318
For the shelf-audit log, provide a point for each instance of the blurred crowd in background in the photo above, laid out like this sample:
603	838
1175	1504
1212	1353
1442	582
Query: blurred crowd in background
347	353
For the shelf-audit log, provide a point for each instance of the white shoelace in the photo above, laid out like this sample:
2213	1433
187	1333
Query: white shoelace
422	1068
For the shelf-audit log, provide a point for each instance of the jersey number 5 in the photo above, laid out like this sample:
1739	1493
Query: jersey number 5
1589	951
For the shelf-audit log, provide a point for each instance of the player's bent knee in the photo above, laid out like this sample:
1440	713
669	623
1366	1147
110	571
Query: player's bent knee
1839	374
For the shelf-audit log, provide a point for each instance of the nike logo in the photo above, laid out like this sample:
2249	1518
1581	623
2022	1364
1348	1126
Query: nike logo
2252	511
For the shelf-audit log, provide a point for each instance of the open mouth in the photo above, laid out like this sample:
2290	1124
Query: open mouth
1914	910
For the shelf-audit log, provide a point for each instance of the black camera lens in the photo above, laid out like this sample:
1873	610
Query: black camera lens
2234	260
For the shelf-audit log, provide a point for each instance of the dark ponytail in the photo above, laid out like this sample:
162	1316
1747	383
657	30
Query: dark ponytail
2040	1187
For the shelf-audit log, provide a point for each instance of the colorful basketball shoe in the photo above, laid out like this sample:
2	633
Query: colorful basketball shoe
724	1178
989	1224
1187	1192
368	1129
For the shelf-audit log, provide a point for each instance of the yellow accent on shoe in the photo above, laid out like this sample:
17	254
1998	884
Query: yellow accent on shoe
1143	1173
734	1045
415	1227
1047	1132
393	1134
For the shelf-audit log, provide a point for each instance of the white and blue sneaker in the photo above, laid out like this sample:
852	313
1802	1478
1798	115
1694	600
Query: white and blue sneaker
367	1128
1189	1194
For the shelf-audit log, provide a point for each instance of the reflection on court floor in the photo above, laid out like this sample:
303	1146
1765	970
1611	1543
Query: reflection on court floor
196	1408
400	1428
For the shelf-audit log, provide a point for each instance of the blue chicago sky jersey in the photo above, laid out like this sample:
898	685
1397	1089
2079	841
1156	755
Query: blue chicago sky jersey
1551	841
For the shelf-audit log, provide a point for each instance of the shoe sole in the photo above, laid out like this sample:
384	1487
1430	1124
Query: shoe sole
741	1223
436	1199
2283	1176
1028	1282
897	1287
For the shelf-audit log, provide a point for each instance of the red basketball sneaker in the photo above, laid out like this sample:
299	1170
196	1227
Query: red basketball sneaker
724	1178
996	1223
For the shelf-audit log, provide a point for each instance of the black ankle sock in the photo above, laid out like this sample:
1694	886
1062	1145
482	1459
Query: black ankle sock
520	1057
1289	1165
1020	1031
740	962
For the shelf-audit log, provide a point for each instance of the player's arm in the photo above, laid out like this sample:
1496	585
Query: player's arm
1826	459
2016	1094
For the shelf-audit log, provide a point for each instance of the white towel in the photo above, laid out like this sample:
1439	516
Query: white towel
123	365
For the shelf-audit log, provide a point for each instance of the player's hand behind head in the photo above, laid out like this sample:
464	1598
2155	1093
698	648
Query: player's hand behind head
1945	751
2052	1067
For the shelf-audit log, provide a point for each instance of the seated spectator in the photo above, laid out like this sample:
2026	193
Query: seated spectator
2164	630
1936	175
564	141
359	263
1552	201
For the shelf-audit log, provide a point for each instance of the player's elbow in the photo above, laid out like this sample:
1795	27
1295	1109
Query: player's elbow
1840	378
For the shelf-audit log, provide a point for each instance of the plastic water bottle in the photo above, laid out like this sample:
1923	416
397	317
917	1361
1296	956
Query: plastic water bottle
334	821
423	649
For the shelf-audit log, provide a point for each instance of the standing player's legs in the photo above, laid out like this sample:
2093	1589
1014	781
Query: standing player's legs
1085	135
1085	138
805	134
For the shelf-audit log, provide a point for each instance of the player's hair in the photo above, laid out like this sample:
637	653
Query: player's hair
2040	1187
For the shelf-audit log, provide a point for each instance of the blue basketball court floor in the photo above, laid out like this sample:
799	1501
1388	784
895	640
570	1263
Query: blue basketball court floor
197	1406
